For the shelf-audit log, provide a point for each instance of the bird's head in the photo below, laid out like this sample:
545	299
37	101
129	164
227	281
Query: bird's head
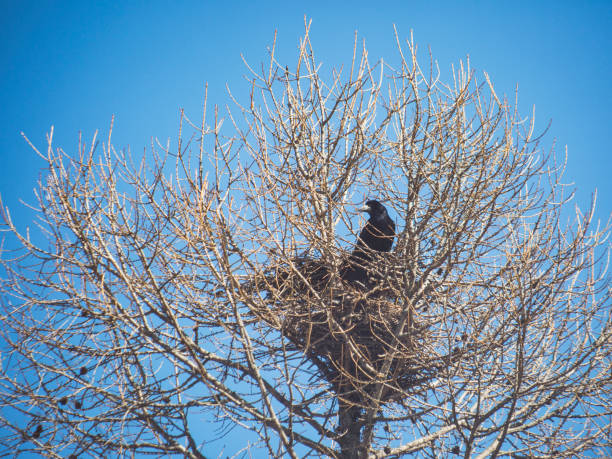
374	209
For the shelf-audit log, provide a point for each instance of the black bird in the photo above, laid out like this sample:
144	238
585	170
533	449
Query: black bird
376	236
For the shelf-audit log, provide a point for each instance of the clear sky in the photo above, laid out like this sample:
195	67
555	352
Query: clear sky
75	64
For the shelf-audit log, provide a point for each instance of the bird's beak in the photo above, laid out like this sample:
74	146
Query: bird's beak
365	208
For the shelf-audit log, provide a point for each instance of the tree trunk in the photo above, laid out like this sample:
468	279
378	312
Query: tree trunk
349	428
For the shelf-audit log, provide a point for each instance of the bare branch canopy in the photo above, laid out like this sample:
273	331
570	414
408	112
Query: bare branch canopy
225	289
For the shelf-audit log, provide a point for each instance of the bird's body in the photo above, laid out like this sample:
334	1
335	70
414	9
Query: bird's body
376	236
378	233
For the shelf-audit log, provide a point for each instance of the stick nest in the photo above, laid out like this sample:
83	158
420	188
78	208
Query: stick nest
348	331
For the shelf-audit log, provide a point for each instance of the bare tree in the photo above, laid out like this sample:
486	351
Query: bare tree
196	291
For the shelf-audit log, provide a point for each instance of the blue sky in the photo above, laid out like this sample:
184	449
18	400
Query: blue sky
75	64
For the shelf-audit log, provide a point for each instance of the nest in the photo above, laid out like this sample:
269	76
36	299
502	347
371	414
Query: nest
350	332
